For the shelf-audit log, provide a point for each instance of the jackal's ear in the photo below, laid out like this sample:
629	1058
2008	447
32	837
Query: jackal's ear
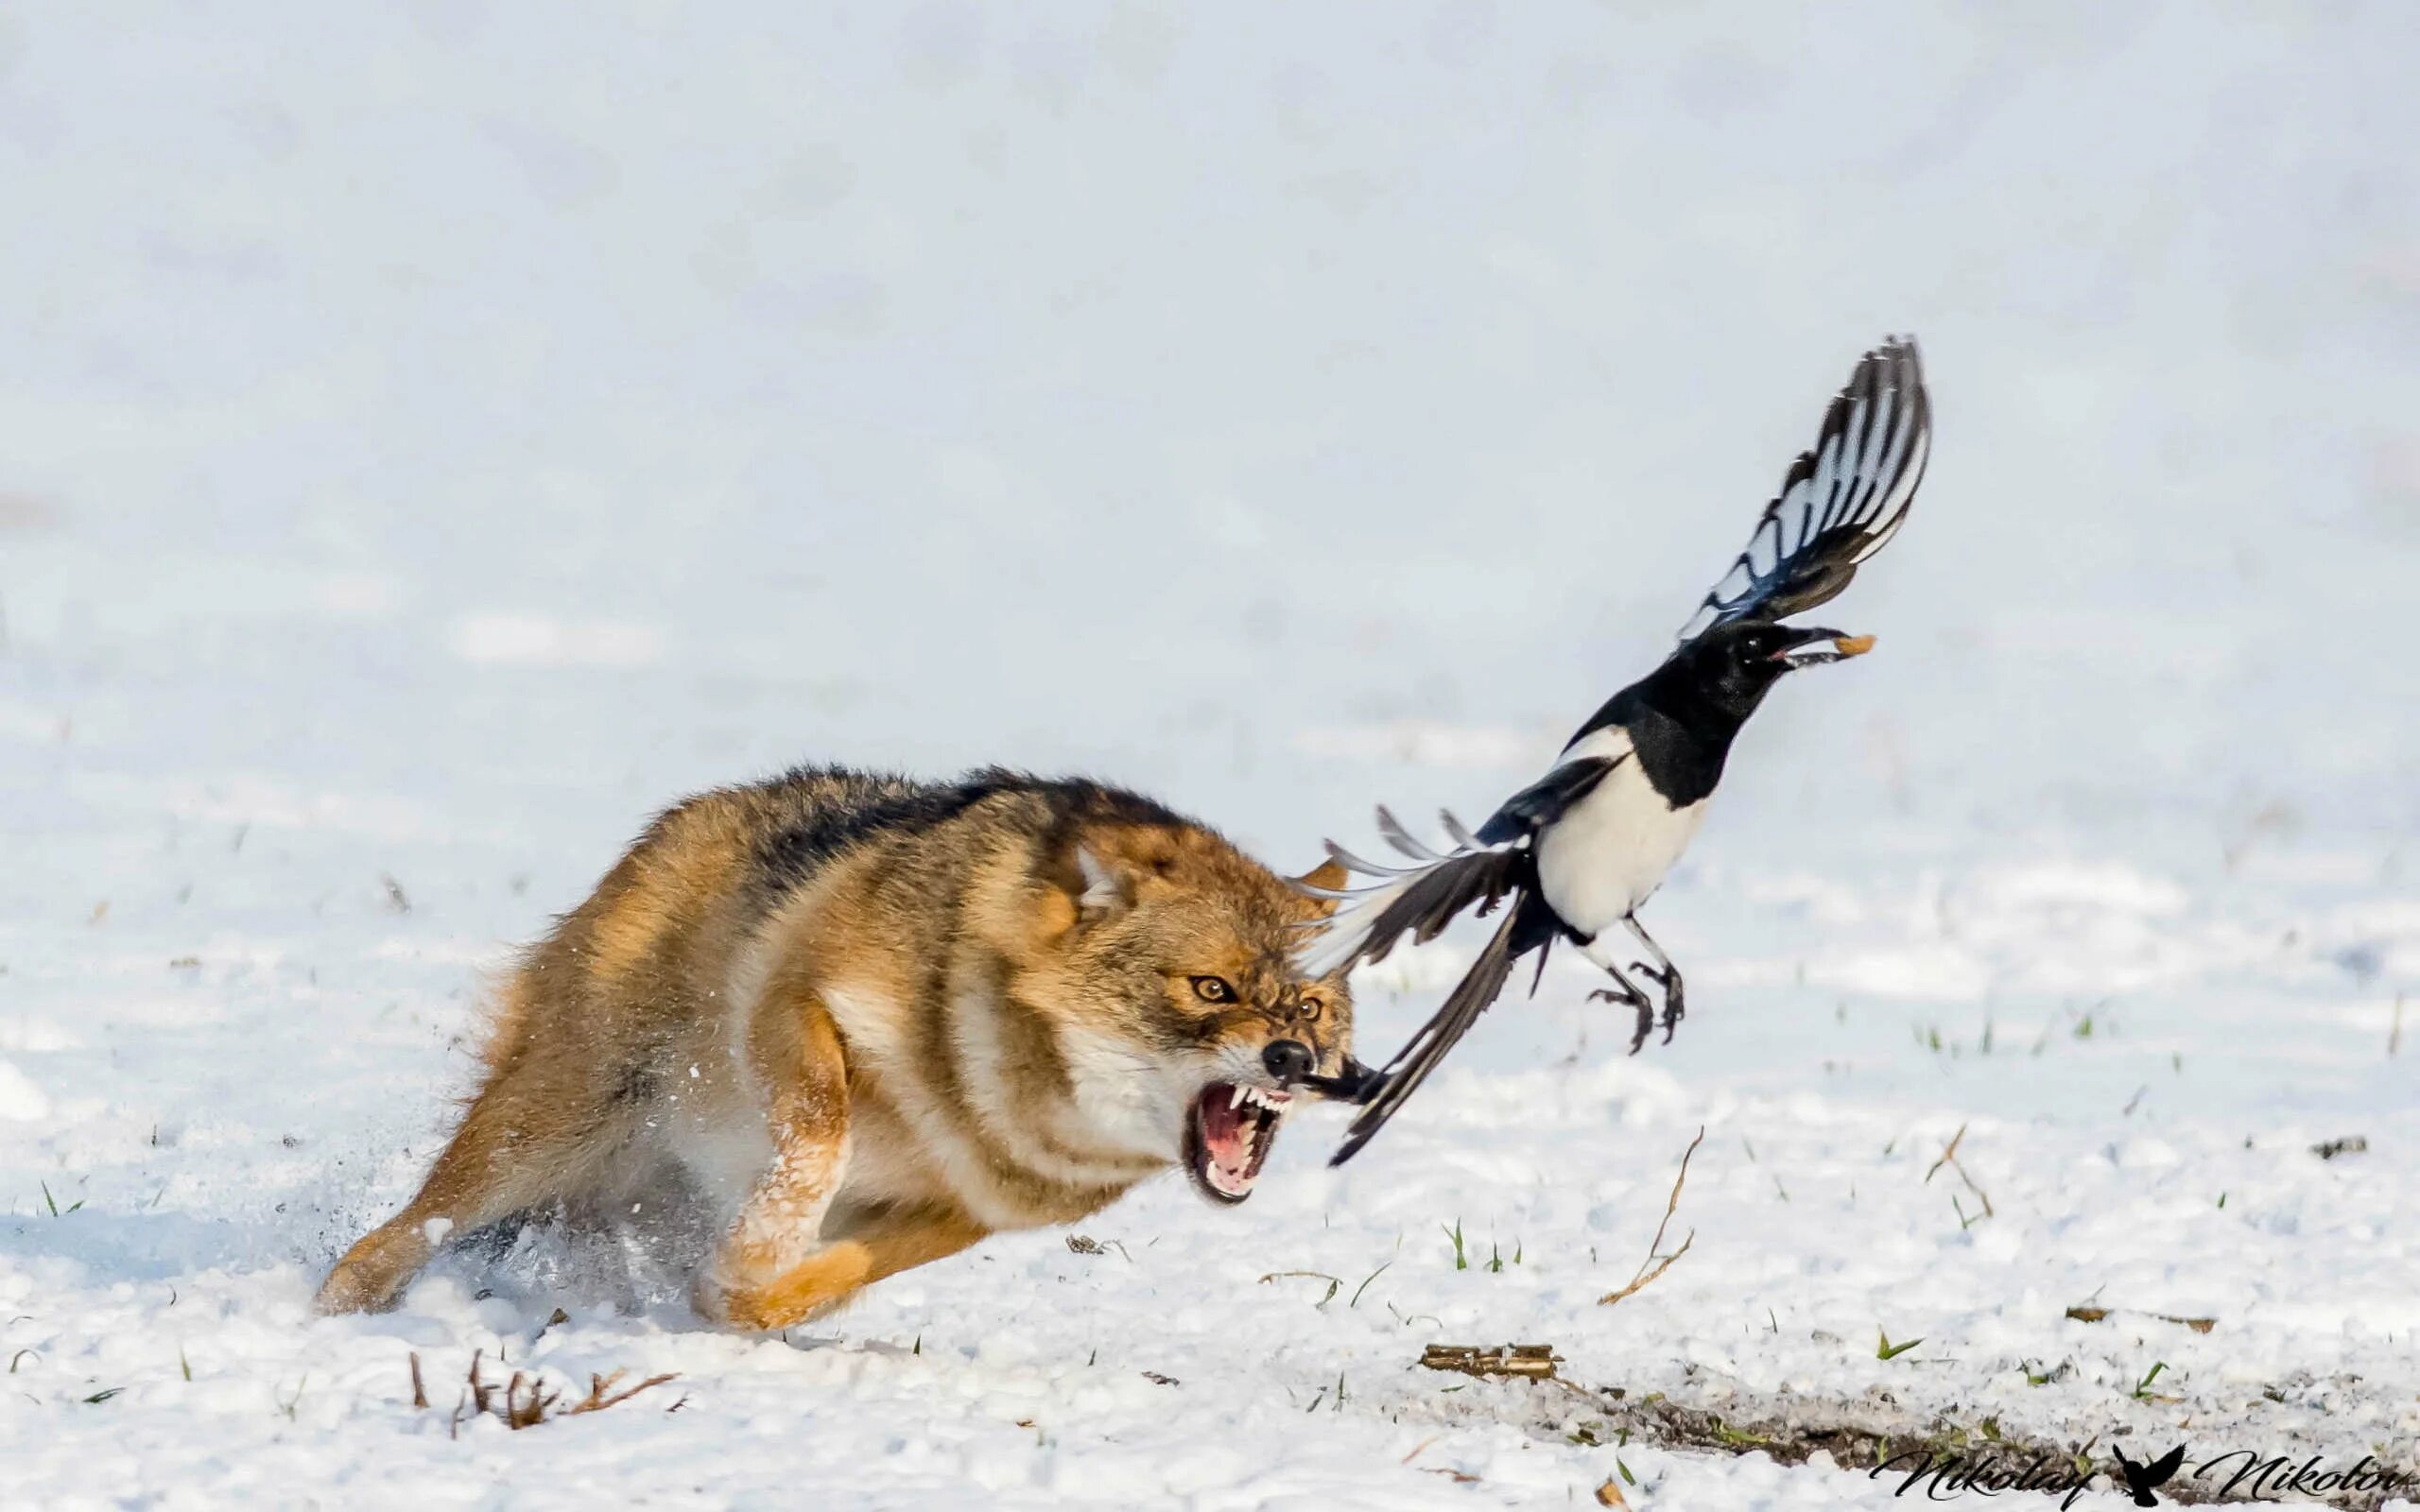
1329	876
1100	890
1104	870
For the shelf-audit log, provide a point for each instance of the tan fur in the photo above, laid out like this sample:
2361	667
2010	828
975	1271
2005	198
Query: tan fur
872	1021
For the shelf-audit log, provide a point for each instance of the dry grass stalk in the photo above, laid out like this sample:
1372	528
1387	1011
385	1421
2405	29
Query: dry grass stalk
1655	1264
525	1399
601	1393
526	1411
2088	1314
1948	1154
1949	1159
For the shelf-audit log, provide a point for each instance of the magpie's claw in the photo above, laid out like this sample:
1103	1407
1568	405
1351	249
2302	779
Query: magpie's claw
1676	1006
1630	997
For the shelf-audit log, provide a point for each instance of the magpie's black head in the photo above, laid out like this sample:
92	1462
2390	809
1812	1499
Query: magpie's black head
1734	666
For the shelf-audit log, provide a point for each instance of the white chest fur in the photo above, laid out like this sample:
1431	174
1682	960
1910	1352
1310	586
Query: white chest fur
1609	852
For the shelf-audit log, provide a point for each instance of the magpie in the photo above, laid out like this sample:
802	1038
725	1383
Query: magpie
1574	854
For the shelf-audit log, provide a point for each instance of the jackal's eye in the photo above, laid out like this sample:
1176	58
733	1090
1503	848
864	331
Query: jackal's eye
1312	1008
1213	989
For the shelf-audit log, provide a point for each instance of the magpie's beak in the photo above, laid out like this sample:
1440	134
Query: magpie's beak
1813	649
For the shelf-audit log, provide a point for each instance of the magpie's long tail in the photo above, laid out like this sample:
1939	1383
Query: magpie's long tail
1526	927
1419	900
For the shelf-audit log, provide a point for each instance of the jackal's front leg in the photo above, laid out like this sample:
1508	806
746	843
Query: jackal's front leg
896	1241
780	1224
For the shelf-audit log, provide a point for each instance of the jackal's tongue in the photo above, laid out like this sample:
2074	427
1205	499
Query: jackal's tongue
1226	1134
1232	1130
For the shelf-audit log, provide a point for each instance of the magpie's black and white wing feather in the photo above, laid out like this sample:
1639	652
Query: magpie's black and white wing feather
1842	502
1421	898
1551	797
1418	899
1482	870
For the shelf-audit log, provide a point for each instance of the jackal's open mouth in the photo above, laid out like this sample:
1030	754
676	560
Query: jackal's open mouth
1227	1137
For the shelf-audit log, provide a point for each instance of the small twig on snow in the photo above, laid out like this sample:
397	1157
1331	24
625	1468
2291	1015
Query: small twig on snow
1655	1264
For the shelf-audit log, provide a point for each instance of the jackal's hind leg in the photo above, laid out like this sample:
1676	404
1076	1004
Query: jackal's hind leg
524	1142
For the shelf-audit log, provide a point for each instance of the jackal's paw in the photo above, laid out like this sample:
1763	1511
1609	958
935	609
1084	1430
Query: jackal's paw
738	1305
760	1308
731	1289
818	1284
742	1307
352	1287
372	1275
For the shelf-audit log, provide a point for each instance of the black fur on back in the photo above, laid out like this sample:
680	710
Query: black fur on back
836	807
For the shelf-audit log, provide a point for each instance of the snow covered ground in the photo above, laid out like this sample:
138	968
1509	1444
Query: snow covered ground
432	436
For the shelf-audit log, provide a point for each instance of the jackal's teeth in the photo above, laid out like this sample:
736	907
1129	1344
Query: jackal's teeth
1237	1100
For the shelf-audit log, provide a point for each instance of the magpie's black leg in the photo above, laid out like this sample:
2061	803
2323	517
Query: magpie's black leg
1663	974
1626	992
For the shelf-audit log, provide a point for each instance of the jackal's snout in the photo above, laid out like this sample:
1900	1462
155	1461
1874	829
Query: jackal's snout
1288	1060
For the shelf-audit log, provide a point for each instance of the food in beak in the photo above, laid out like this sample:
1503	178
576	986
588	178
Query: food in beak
1826	649
1227	1138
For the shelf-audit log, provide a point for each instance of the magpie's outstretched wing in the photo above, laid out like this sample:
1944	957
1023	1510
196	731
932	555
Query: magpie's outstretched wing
1422	897
1418	899
1548	798
1840	502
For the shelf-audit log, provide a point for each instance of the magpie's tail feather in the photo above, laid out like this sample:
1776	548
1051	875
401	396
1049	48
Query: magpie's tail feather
1521	931
1418	899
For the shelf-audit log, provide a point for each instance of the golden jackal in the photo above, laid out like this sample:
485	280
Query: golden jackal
870	1020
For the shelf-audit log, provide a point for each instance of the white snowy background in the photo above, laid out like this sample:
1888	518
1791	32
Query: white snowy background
434	436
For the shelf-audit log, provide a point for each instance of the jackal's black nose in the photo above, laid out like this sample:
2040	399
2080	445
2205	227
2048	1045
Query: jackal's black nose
1288	1060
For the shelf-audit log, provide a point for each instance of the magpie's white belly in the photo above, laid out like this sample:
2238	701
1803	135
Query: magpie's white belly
1608	854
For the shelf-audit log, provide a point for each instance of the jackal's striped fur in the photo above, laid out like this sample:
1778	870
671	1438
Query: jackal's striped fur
869	1020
